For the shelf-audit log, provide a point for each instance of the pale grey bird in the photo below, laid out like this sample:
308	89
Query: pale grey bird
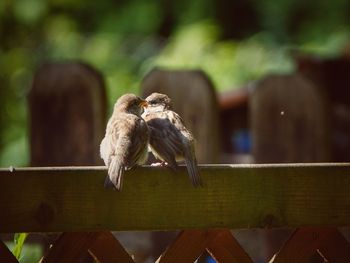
125	144
170	141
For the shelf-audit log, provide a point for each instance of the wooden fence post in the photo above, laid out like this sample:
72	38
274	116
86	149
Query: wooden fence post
67	108
289	123
194	98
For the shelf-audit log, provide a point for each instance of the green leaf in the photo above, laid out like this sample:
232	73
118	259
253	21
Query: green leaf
19	241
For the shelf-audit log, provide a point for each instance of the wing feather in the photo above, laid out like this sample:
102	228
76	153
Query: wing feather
165	140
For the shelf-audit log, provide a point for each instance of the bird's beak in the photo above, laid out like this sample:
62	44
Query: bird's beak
143	103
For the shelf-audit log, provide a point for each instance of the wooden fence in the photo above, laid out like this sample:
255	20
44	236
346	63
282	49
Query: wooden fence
314	198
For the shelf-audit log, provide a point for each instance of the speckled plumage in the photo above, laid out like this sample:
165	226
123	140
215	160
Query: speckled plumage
170	141
125	143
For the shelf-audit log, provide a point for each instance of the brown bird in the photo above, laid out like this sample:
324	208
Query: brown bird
125	143
170	141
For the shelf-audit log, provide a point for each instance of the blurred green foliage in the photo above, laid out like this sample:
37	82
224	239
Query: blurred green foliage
30	252
19	240
230	64
125	39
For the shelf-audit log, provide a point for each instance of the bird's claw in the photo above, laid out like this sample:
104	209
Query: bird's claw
160	164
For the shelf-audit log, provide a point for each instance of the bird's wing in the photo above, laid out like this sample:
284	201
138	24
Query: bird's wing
128	146
165	139
105	150
111	156
187	146
191	163
137	148
110	141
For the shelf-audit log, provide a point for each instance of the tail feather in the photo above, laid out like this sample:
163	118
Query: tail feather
108	182
115	174
194	172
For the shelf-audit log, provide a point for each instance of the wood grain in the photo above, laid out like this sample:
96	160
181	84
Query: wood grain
187	247
336	248
225	248
154	198
107	249
69	247
305	242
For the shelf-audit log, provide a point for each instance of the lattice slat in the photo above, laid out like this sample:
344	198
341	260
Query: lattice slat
107	249
187	247
225	248
69	247
190	244
336	248
305	242
6	255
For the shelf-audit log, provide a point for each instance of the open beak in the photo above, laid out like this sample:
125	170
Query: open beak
143	103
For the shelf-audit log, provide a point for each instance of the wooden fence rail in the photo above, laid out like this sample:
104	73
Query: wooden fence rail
313	197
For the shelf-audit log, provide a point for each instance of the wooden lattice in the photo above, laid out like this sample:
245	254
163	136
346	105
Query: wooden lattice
329	243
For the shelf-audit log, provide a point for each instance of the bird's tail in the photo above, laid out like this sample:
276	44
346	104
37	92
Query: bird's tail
192	168
115	174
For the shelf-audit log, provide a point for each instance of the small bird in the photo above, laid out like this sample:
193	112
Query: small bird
170	141
125	144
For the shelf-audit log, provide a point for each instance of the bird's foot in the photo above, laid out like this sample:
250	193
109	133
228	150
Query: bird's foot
160	164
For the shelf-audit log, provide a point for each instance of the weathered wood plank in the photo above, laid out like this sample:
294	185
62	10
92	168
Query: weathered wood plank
154	198
225	248
6	255
107	249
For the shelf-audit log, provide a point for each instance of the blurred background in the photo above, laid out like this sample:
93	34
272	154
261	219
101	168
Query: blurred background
234	42
263	81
